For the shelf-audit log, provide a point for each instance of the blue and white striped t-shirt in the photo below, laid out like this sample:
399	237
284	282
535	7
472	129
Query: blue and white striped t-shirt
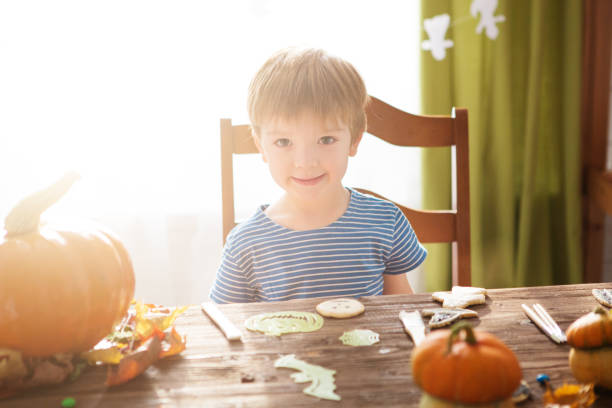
264	261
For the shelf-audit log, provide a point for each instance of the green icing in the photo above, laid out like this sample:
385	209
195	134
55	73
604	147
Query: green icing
277	323
359	337
322	379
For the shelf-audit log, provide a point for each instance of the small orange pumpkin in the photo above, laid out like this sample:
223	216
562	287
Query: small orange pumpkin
63	287
591	330
478	368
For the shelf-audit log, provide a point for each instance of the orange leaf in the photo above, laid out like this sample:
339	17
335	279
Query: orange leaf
571	395
111	355
135	363
175	342
149	317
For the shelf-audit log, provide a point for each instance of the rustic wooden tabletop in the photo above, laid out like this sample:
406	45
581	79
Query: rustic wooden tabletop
213	372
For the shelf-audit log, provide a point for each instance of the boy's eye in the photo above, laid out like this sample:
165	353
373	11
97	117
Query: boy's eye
282	142
327	140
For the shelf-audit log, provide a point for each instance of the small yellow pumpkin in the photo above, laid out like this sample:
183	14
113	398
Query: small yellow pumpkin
591	355
63	286
428	401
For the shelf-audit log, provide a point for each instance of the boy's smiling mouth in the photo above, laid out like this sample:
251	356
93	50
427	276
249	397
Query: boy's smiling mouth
308	181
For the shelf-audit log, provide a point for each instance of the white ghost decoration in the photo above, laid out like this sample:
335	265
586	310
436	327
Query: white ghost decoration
436	30
488	21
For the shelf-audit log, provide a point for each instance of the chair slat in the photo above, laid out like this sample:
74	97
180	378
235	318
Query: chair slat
404	129
430	226
242	140
227	176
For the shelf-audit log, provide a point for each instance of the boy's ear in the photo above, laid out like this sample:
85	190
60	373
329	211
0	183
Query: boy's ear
355	145
257	142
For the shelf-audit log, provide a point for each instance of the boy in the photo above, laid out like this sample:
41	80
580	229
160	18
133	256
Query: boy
319	239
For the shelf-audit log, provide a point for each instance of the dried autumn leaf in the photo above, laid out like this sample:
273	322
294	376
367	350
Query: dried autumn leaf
104	352
50	371
135	363
122	335
141	329
147	320
12	372
176	344
39	371
11	365
570	395
168	320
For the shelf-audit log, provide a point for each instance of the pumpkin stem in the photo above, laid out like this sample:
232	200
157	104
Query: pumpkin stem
25	216
456	330
600	310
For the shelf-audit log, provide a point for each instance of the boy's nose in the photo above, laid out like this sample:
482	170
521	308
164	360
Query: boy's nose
305	157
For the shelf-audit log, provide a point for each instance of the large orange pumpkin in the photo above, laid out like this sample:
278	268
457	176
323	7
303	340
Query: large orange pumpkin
62	286
471	369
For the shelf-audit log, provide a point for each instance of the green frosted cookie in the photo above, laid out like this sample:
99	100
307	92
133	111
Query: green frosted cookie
359	337
277	323
321	378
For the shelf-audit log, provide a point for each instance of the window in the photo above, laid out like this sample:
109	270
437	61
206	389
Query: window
129	93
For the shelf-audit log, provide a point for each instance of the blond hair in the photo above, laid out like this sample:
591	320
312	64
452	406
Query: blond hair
293	80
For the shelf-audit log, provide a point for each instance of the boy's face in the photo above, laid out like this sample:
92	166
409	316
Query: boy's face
307	155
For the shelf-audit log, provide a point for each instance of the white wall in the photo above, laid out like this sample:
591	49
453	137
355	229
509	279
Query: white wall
130	93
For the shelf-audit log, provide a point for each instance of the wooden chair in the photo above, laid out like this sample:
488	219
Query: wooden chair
597	179
402	129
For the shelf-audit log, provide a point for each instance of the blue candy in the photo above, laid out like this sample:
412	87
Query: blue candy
543	378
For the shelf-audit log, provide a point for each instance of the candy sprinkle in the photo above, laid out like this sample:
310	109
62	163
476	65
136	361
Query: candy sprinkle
68	402
543	378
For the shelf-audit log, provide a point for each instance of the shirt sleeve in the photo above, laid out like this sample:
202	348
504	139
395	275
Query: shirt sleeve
407	252
231	284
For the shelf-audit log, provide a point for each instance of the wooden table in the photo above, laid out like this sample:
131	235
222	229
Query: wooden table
212	372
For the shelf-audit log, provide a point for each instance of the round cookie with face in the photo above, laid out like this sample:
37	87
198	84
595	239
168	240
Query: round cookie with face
340	308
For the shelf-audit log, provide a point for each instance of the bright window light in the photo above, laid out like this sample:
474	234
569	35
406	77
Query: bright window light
129	93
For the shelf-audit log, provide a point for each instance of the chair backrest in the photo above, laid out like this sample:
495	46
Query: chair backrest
401	129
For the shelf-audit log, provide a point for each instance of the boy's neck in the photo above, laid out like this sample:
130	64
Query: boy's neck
302	215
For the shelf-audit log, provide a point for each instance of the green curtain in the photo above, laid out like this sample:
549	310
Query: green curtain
522	91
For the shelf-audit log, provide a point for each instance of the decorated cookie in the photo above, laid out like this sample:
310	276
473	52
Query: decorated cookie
359	337
443	316
340	308
603	296
277	323
413	325
450	300
468	290
322	382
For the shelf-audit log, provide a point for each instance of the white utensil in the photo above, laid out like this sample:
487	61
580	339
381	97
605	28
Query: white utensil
228	328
